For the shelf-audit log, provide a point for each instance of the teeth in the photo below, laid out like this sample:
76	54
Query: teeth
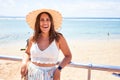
45	27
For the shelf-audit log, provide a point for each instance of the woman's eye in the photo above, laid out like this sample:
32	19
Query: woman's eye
44	20
41	19
48	20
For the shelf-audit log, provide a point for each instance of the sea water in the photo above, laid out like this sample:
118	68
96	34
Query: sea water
91	28
16	29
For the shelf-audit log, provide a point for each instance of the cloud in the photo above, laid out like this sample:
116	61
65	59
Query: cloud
78	8
86	9
7	6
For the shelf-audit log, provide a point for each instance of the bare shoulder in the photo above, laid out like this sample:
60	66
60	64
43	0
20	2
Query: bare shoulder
30	40
62	41
29	44
61	38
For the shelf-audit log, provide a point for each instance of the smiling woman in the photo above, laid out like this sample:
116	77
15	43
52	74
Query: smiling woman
43	47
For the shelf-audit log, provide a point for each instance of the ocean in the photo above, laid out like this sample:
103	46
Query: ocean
92	28
16	29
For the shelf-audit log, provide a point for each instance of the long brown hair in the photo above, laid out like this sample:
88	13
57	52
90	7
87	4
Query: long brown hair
52	33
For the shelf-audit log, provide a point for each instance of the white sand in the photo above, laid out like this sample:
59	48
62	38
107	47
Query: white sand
105	52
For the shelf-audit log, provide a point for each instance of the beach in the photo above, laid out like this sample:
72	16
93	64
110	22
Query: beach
91	41
103	52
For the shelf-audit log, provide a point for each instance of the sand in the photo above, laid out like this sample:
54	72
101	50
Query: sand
105	52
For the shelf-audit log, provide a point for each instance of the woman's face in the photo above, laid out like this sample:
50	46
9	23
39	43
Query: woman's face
45	23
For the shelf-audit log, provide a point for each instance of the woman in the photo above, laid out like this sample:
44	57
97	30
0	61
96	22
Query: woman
43	47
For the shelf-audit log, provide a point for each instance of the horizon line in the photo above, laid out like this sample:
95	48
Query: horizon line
67	17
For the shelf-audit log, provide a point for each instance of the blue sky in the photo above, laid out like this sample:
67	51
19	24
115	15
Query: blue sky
68	8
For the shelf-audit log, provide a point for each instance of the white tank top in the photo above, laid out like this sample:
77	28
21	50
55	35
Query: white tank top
47	56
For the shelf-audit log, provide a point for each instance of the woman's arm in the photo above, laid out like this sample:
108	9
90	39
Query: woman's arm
26	56
68	56
66	51
25	59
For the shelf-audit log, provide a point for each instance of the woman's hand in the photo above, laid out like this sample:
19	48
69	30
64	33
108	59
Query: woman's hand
24	69
57	75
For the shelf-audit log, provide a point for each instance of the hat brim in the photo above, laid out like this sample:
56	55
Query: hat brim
57	17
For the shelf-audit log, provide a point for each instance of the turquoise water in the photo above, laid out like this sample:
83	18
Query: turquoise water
15	29
92	28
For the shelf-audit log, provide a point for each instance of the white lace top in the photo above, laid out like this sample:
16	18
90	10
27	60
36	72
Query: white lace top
47	56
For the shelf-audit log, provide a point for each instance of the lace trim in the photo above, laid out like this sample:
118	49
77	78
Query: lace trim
44	60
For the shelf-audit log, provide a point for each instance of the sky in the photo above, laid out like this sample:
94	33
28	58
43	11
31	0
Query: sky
68	8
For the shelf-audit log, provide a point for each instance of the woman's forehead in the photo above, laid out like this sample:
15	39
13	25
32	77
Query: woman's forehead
44	15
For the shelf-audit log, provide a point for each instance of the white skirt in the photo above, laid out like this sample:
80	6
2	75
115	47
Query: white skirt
40	73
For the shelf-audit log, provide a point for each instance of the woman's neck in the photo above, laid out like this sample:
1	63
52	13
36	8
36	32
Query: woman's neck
44	36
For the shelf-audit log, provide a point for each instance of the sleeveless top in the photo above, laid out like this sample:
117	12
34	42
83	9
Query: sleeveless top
47	56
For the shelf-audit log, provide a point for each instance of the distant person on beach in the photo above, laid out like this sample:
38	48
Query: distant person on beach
40	60
108	33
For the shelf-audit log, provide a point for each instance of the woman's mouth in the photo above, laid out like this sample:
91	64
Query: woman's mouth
45	26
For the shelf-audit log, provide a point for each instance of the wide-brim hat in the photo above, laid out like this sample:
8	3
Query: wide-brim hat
57	17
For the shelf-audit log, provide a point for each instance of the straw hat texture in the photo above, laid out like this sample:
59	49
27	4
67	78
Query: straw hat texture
57	17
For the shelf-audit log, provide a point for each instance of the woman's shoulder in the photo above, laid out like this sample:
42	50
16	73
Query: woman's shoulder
61	37
30	39
59	34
